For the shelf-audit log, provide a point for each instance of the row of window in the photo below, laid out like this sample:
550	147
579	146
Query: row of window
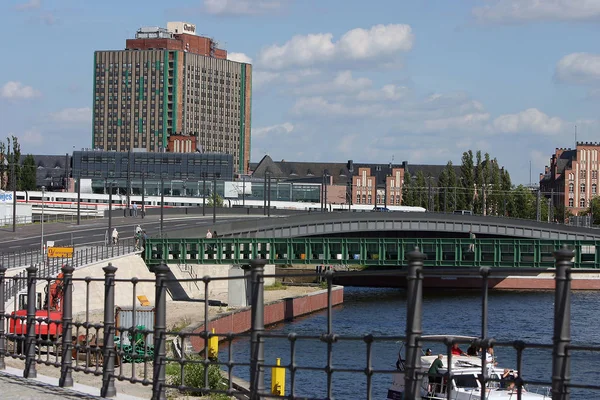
582	175
582	188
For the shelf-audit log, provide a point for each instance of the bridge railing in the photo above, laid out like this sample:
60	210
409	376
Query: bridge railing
50	267
103	346
371	251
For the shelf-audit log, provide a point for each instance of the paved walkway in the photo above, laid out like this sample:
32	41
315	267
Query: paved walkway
14	387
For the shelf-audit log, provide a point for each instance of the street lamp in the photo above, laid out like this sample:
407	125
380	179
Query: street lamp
42	235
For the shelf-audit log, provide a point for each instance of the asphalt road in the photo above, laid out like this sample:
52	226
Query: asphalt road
28	237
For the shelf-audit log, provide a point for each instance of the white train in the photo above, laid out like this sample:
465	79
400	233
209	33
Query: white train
99	202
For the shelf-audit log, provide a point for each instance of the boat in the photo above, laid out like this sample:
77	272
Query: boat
462	380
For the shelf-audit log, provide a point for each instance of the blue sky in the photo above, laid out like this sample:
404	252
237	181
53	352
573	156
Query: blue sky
377	81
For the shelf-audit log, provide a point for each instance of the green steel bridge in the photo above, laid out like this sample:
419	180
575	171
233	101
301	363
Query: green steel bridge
371	252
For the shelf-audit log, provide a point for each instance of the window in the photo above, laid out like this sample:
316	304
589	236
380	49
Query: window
571	187
582	174
358	199
582	202
582	188
570	202
594	188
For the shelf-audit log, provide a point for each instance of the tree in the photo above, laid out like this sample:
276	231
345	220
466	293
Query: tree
408	193
593	210
505	187
3	165
496	189
468	179
421	197
442	194
216	199
28	174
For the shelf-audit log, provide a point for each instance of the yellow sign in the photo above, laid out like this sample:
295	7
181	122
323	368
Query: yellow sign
58	252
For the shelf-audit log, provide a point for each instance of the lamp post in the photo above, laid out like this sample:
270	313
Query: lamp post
204	194
350	168
214	198
14	185
42	224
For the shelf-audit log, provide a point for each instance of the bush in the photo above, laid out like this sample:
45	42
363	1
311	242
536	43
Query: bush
194	376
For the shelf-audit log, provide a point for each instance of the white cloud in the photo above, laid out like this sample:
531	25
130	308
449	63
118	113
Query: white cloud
321	107
531	120
16	90
239	57
380	41
242	7
511	11
30	137
30	5
579	68
280	129
260	77
343	82
81	115
387	92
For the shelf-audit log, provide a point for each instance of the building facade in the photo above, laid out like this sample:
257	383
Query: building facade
172	82
571	179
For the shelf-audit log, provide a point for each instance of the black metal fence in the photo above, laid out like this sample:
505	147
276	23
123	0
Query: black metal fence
102	348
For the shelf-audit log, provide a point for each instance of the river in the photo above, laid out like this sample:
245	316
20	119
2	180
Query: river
512	315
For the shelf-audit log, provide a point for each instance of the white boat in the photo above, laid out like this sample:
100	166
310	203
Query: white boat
462	380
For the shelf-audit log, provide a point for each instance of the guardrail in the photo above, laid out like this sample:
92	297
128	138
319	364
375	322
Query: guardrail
77	346
370	251
50	267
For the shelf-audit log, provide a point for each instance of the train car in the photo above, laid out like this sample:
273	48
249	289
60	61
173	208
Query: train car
99	202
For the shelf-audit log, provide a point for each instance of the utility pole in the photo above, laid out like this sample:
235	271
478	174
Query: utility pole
204	194
14	185
243	190
143	196
162	204
214	199
269	196
265	193
538	206
110	190
79	199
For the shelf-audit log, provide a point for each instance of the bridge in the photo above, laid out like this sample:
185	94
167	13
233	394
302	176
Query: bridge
371	251
340	223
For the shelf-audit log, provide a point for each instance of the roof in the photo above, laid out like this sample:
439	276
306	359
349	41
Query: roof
313	171
51	170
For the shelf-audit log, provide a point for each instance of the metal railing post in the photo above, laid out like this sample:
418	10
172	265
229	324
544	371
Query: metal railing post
561	363
2	319
160	329
66	379
30	371
257	345
414	306
108	366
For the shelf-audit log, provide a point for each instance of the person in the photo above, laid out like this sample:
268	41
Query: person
214	235
144	238
138	229
490	357
472	244
472	351
209	234
428	352
507	380
135	209
435	378
456	351
115	236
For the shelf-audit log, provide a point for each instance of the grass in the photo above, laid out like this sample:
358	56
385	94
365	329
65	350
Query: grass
276	286
194	377
178	326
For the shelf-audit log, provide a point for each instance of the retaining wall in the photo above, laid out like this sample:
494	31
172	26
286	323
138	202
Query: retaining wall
286	309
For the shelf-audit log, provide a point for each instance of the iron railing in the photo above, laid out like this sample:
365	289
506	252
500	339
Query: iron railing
102	347
371	251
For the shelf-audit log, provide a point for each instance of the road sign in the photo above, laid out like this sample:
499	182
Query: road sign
58	252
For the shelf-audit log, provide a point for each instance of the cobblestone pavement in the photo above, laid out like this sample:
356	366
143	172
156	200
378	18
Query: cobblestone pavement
15	388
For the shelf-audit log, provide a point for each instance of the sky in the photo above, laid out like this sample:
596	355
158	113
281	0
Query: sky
374	81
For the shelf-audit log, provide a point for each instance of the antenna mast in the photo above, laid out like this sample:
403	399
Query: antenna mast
575	136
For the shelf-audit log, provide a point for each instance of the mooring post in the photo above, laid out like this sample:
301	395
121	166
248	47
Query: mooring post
108	366
561	363
30	370
257	350
160	337
2	312
414	306
66	378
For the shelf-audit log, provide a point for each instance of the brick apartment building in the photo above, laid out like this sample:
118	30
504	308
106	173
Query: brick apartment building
571	179
171	82
372	184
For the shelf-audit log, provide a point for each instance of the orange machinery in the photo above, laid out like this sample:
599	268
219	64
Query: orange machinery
49	320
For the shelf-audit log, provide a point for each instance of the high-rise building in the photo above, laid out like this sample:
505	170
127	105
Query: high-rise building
171	82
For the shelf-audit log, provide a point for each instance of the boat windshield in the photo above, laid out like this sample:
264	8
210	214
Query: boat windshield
465	381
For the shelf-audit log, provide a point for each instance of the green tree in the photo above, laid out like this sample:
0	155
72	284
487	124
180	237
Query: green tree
495	198
216	199
408	192
442	193
422	199
468	179
523	204
506	187
13	157
3	165
28	174
593	210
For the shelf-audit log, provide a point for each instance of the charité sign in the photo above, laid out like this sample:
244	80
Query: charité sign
6	197
189	28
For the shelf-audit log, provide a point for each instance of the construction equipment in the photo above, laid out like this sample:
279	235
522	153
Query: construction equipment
48	325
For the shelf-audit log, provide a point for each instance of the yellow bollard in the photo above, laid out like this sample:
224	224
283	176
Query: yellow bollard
213	346
278	379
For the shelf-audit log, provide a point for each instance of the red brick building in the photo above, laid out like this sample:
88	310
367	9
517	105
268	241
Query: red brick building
571	179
